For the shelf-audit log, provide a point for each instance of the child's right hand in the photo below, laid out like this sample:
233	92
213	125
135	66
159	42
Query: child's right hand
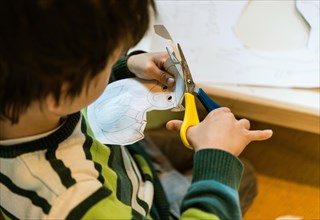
221	130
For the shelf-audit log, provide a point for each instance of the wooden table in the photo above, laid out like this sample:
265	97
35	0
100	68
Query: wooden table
293	108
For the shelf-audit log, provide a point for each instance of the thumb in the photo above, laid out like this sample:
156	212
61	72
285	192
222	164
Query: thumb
165	78
174	125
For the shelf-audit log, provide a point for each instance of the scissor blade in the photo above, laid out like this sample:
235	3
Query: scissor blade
181	54
185	64
189	83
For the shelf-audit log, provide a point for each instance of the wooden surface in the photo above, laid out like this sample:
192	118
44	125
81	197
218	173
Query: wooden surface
292	108
288	172
278	197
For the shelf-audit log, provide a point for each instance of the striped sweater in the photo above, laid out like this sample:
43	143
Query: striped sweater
68	174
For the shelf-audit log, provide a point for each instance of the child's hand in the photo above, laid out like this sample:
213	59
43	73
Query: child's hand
150	66
221	130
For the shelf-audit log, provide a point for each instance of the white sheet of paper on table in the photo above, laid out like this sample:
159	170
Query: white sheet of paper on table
118	116
310	11
205	30
289	217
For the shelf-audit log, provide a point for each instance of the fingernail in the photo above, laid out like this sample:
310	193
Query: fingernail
170	81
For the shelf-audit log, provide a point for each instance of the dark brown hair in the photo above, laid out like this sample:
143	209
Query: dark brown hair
45	43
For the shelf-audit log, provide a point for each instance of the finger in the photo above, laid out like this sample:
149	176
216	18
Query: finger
161	59
260	135
166	79
245	123
174	125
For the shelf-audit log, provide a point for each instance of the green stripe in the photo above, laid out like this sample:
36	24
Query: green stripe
109	208
124	185
80	210
159	200
196	214
143	166
101	155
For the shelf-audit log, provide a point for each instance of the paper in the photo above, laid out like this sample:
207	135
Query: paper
310	10
118	116
205	29
289	217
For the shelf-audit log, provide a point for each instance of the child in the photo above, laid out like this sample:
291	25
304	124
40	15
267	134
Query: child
55	59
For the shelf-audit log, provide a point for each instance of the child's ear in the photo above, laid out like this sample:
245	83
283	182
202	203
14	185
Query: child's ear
52	105
55	106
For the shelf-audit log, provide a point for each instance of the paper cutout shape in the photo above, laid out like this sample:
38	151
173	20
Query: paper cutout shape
216	54
118	116
264	25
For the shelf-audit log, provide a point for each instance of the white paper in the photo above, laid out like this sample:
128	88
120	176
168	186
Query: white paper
310	10
205	30
118	116
289	217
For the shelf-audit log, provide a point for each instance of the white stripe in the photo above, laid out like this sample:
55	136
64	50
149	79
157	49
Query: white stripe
145	191
11	202
72	154
134	180
33	172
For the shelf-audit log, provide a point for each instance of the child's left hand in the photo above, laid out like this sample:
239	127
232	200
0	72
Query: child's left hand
150	66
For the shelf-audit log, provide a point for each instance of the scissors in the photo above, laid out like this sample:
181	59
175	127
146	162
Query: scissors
191	117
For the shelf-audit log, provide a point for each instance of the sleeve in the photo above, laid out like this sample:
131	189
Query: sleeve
120	69
213	193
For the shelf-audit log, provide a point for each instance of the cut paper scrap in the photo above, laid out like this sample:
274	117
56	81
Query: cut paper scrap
311	12
289	217
118	116
272	25
162	31
205	29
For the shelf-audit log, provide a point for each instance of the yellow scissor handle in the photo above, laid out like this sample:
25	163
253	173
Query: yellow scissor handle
190	118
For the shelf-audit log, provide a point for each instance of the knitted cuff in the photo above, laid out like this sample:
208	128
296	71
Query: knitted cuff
120	69
218	165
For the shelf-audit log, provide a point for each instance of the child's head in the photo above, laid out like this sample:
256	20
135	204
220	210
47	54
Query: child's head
55	47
